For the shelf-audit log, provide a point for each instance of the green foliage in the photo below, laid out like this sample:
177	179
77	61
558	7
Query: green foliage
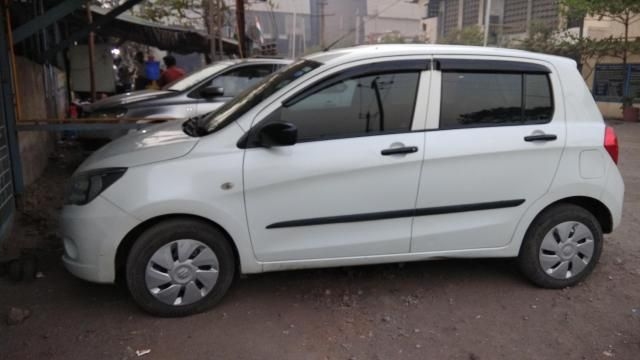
625	12
616	10
392	38
176	12
470	35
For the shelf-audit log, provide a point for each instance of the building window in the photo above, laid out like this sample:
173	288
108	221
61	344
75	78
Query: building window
611	84
433	8
470	13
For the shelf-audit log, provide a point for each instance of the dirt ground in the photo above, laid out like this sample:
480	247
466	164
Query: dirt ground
480	309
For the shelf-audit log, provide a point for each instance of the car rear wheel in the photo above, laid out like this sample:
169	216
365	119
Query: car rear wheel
179	267
561	247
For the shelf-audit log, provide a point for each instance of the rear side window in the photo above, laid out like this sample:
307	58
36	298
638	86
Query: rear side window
492	99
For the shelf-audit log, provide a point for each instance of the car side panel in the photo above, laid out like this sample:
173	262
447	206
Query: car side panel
196	184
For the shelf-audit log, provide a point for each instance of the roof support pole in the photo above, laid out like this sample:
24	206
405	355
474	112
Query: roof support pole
92	56
8	96
40	22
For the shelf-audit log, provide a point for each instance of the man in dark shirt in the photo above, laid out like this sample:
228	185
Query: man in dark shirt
172	73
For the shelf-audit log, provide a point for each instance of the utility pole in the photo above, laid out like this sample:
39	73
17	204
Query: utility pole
322	4
92	55
219	20
487	19
294	31
211	6
241	26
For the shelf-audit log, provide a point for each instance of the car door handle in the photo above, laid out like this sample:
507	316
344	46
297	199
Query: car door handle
399	150
540	137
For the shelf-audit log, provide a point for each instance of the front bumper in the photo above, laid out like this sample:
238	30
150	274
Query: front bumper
91	235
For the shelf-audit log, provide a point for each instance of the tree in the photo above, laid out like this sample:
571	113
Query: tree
624	12
191	13
470	35
393	37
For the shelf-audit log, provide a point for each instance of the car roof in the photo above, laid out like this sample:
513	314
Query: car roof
338	56
256	60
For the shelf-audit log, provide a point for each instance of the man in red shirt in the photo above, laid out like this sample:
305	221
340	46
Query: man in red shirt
172	73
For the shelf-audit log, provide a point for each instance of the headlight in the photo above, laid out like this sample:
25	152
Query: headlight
84	187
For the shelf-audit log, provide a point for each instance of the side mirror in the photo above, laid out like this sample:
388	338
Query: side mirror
277	134
211	92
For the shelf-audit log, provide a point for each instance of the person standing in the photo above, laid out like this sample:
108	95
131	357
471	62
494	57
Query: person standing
141	78
172	72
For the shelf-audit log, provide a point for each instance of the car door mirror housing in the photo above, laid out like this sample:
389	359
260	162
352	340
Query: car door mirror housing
211	92
277	134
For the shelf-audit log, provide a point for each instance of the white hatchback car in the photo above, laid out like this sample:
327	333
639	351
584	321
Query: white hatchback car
365	155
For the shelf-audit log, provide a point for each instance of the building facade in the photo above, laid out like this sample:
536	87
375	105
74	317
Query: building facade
509	19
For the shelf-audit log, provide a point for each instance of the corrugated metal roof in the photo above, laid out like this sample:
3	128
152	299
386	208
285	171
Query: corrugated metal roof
176	39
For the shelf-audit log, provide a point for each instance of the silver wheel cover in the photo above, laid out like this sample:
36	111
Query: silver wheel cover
566	250
182	272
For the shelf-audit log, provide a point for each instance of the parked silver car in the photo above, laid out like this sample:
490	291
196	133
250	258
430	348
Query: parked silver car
196	94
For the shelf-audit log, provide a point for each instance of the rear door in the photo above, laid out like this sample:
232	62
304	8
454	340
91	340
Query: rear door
496	132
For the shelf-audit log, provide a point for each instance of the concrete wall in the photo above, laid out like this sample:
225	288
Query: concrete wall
35	147
430	30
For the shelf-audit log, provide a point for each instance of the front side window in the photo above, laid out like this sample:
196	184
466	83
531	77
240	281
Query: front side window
371	104
485	99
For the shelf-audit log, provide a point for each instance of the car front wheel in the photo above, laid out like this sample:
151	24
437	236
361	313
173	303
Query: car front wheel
179	267
561	247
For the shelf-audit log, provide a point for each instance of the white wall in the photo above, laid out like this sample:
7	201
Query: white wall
391	15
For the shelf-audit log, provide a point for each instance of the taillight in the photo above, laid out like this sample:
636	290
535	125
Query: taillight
611	143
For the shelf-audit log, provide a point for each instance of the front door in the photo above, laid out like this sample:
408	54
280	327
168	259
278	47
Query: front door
348	187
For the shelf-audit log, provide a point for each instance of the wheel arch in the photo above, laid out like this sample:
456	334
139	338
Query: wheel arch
594	206
127	242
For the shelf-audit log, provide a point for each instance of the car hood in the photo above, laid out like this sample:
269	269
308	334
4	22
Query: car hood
155	143
123	100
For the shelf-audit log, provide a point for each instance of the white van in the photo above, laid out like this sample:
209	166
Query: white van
365	155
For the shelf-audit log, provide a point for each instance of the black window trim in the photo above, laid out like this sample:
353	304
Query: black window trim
385	67
489	66
486	125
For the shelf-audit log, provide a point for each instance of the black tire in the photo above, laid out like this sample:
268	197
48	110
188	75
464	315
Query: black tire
529	260
164	233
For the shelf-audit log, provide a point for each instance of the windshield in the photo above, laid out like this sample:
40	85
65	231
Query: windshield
254	95
194	78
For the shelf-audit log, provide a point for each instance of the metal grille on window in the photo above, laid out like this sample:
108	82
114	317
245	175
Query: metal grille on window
470	13
515	16
450	16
